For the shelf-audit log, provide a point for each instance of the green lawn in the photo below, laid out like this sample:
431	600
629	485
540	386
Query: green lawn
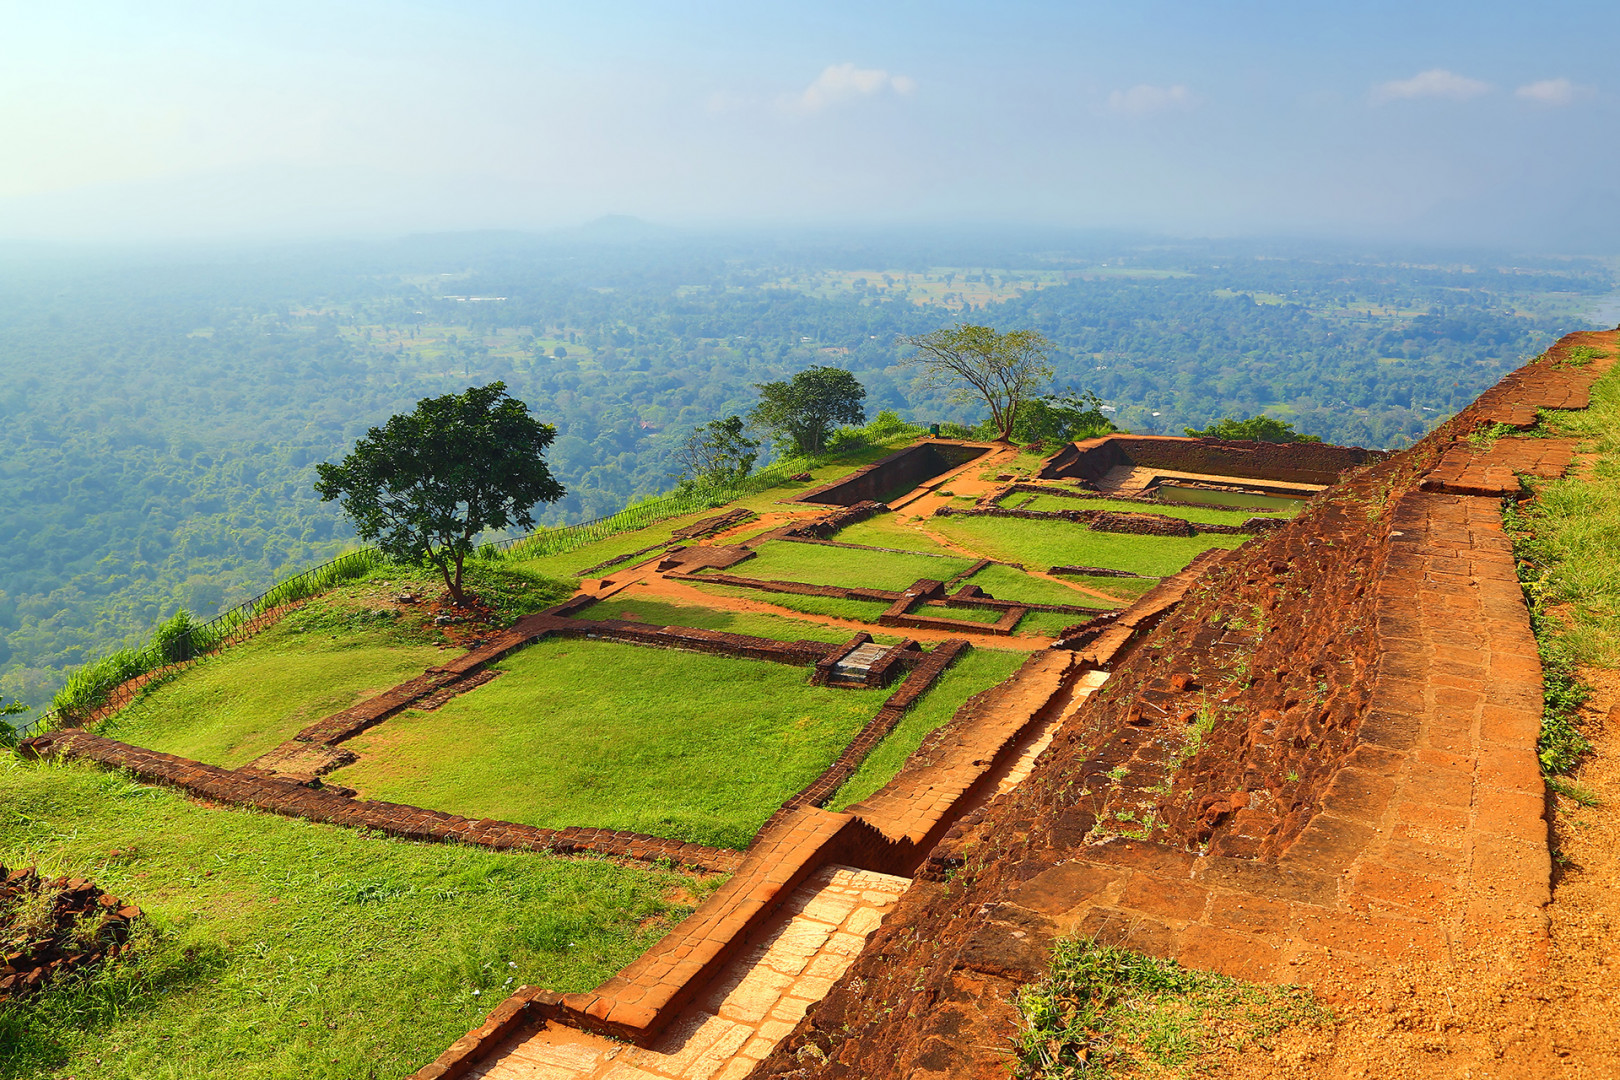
1172	493
1006	583
277	948
816	564
232	707
1125	589
578	732
1062	543
665	613
832	607
885	531
979	670
1196	514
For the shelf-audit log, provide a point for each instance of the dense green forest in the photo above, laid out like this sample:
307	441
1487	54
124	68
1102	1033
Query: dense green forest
161	414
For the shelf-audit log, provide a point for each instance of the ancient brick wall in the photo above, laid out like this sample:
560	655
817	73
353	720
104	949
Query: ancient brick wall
1307	463
900	471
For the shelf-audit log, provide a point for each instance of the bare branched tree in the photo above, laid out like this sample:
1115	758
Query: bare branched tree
978	363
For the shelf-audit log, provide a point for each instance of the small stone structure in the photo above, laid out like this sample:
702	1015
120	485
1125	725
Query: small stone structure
43	924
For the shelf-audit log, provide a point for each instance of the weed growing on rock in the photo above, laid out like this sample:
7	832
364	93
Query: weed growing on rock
1103	1010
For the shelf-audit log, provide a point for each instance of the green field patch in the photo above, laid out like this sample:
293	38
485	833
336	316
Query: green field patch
979	670
576	732
1174	493
666	613
1010	583
817	564
1125	590
1195	514
866	611
887	532
232	707
1063	543
277	948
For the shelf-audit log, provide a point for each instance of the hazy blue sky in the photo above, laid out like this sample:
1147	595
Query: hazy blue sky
1485	121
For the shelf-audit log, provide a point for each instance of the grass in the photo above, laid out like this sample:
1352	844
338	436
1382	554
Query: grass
815	564
1104	1011
885	531
666	613
1195	514
1172	493
1006	583
829	606
1566	543
277	948
1063	543
1125	590
231	708
578	732
979	670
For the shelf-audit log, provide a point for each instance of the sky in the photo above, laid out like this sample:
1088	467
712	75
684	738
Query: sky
1472	124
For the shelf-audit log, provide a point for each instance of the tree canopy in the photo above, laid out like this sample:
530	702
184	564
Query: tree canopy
801	412
980	363
718	452
426	483
1255	429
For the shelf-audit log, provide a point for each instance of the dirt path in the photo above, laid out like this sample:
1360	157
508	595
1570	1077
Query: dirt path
1474	1017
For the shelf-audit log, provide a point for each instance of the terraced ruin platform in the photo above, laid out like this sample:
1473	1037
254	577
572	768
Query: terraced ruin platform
1281	746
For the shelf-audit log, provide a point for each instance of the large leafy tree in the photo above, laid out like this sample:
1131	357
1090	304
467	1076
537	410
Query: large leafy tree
801	413
982	364
1255	428
718	452
426	483
1066	417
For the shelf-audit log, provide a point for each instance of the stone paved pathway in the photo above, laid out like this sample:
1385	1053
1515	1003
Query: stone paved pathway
788	964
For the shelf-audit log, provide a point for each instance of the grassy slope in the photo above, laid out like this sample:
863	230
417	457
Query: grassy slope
818	565
578	732
1061	543
978	670
233	707
1577	530
278	948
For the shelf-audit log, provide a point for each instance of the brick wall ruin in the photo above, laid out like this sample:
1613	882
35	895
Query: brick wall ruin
1298	463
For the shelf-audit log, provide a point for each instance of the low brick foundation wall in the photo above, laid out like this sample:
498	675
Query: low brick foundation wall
395	819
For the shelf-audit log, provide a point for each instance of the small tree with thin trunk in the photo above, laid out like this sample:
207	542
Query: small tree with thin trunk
982	364
800	414
719	452
426	483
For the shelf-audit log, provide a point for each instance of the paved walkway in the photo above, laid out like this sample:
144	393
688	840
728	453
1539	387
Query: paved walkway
787	965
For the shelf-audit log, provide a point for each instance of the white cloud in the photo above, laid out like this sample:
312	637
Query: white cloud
1143	99
1548	92
845	82
1436	82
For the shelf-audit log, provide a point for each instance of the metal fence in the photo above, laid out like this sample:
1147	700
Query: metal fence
110	683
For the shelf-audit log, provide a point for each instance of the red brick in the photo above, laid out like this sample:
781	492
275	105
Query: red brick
1210	949
1385	937
1248	913
1512	769
1386	884
1512	814
1169	899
